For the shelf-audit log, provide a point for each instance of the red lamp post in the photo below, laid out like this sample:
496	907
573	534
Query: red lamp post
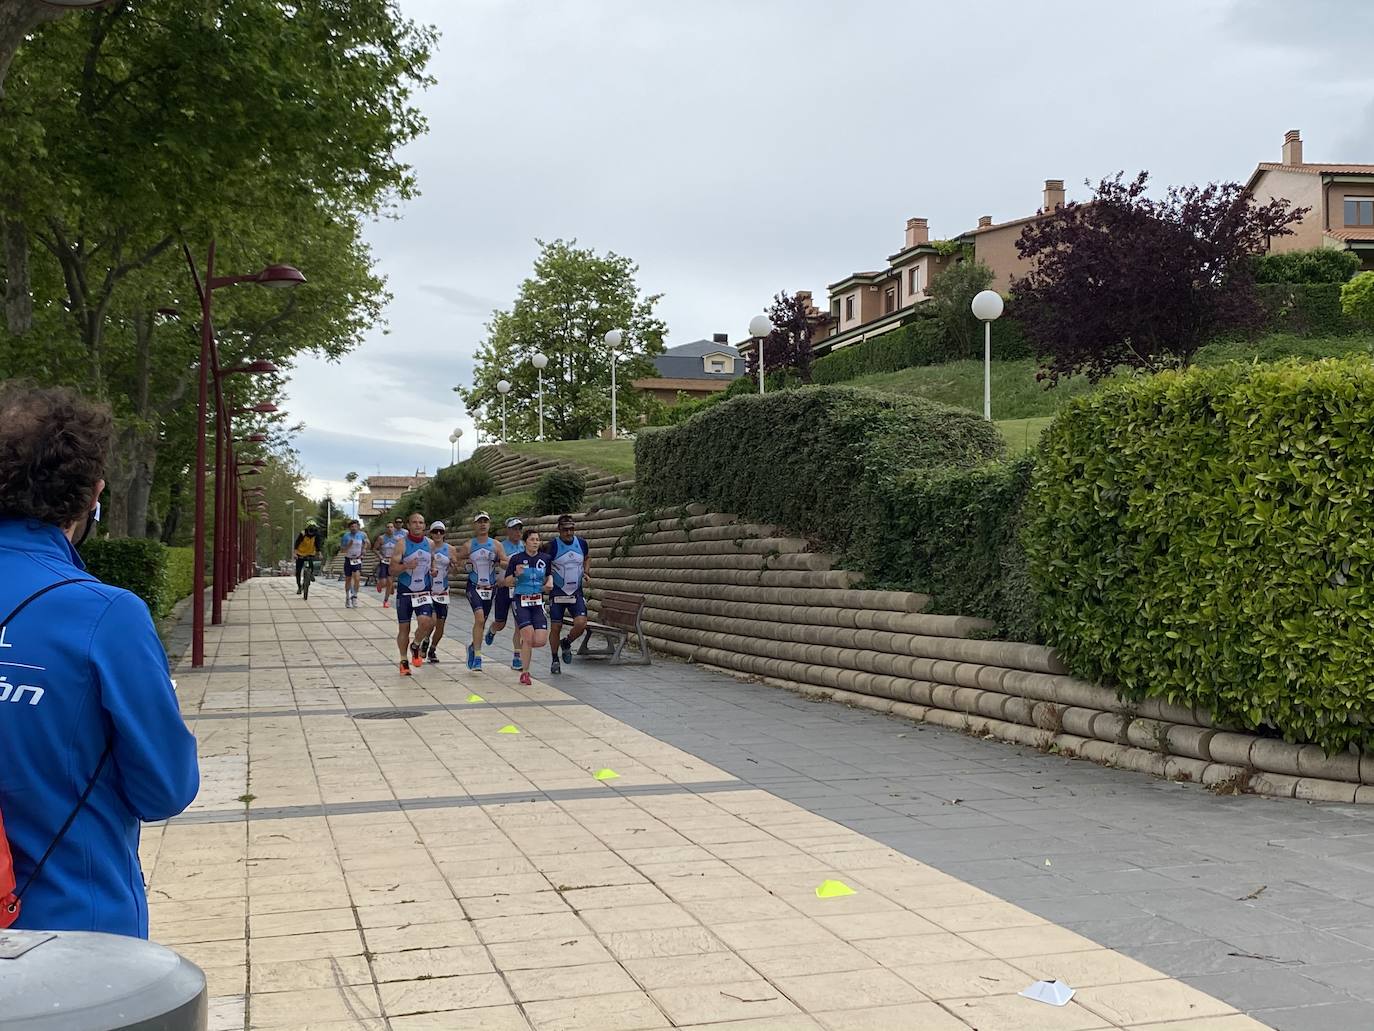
271	276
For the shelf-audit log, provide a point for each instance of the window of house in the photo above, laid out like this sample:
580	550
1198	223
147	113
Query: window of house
717	365
849	307
915	281
1359	211
835	309
890	300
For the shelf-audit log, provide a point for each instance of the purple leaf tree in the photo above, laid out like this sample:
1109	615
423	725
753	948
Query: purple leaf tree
788	347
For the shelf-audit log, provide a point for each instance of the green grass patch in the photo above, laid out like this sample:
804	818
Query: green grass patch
1016	394
614	456
1023	434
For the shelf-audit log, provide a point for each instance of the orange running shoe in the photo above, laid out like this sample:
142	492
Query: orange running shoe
417	657
405	668
525	679
386	604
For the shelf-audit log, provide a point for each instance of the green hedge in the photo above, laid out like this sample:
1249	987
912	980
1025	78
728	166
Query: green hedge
1322	265
161	576
560	491
1205	536
1305	309
822	460
920	342
956	534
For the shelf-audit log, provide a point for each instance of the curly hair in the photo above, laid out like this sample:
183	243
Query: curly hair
53	444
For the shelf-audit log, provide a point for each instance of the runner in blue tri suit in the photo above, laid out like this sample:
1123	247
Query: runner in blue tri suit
485	559
412	562
513	544
385	547
570	565
527	574
352	544
444	556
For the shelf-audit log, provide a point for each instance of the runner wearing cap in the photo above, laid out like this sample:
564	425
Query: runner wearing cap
484	558
513	545
438	575
352	544
528	573
570	564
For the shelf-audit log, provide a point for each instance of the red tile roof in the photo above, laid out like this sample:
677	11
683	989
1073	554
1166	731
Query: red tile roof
1366	233
1316	168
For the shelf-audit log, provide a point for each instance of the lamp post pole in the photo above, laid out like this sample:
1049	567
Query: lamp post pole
613	341
987	306
457	438
540	361
503	388
761	327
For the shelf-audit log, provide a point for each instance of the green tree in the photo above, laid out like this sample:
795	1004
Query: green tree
564	310
951	293
1357	299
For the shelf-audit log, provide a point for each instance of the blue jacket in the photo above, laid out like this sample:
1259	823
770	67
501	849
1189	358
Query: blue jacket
95	673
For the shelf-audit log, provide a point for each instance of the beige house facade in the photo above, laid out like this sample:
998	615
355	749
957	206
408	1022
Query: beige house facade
385	491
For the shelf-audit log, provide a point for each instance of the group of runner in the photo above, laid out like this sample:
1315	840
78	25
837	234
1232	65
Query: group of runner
504	577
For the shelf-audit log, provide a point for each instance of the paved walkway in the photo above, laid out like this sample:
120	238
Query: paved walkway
433	872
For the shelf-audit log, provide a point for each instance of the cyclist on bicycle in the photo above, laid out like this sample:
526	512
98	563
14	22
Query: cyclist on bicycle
307	549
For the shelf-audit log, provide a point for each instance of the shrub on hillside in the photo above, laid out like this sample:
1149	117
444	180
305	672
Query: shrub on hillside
1357	299
951	296
1204	536
688	407
178	577
819	459
1323	265
1303	309
559	490
922	341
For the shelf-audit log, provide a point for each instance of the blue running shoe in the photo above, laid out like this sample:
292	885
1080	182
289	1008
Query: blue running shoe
515	663
477	663
566	647
554	667
489	638
471	657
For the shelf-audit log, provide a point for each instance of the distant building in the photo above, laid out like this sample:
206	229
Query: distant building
994	243
1341	197
384	491
701	368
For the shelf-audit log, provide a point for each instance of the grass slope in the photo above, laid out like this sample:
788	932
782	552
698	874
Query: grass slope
614	456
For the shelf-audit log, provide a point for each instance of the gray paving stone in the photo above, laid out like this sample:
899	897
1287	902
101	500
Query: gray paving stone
1283	987
1338	1016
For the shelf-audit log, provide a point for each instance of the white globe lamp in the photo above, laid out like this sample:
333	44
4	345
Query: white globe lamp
761	326
987	306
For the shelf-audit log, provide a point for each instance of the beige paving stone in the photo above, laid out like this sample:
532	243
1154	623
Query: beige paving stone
292	975
1234	1022
859	926
260	905
624	1011
1086	969
1014	1013
815	958
322	1005
716	1003
981	916
179	932
615	896
964	979
762	934
310	922
216	954
220	981
925	1016
662	941
515	905
852	989
226	1013
415	964
690	971
638	918
543	927
469	991
465	887
307	946
728	910
919	949
411	913
1149	1000
538	985
791	1022
526	955
488	1018
1038	940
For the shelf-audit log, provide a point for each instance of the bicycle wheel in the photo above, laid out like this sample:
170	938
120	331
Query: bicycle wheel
307	578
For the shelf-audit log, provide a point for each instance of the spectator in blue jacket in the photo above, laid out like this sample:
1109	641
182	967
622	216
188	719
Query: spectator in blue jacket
85	693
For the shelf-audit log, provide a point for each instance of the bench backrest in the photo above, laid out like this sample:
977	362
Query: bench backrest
621	610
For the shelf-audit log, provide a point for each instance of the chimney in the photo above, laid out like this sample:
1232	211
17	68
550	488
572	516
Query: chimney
1054	194
984	221
1292	147
917	231
720	338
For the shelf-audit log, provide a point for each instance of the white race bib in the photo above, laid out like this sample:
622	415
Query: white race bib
440	599
529	601
484	593
564	599
421	599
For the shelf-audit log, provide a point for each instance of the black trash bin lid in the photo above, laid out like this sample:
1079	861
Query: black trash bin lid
77	981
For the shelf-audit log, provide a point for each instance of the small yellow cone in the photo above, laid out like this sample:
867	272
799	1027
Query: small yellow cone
833	890
607	774
476	698
509	728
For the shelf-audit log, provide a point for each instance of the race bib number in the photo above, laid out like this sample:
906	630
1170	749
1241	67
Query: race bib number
440	599
564	599
421	599
484	593
529	601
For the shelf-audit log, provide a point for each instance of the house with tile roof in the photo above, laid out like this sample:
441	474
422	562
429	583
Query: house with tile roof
1340	196
699	369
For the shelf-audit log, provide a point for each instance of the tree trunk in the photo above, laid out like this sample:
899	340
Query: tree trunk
17	19
119	474
169	525
18	293
141	483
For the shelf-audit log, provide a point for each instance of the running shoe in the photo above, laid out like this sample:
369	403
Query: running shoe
525	679
477	663
433	656
386	604
405	668
566	647
489	638
555	667
417	658
515	663
472	656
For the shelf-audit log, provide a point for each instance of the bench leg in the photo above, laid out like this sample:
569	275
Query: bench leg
600	653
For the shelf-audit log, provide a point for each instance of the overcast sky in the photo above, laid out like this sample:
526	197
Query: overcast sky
734	148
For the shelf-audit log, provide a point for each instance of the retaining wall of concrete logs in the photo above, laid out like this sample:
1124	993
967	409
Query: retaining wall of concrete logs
749	599
516	472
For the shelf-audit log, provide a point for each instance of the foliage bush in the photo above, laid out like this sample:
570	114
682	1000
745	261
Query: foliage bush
446	496
823	460
560	490
141	566
1323	265
922	341
1304	309
1357	299
1205	536
951	298
686	408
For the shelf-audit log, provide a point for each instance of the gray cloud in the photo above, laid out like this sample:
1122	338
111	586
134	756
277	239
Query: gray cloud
465	302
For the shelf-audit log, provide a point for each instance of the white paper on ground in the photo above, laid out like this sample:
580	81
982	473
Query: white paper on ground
1056	993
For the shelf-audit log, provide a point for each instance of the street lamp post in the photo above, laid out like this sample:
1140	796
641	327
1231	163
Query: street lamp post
613	341
457	437
541	360
987	306
503	388
760	327
272	276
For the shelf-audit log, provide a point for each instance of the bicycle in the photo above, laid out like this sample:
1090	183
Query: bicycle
308	576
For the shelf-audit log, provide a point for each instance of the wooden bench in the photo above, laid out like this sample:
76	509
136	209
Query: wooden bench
620	616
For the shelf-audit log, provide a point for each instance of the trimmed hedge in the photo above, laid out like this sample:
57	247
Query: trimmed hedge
1208	537
1305	309
824	460
960	542
161	576
920	342
1322	265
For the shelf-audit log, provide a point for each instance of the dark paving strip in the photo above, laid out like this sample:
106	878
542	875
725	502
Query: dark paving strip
391	805
255	714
